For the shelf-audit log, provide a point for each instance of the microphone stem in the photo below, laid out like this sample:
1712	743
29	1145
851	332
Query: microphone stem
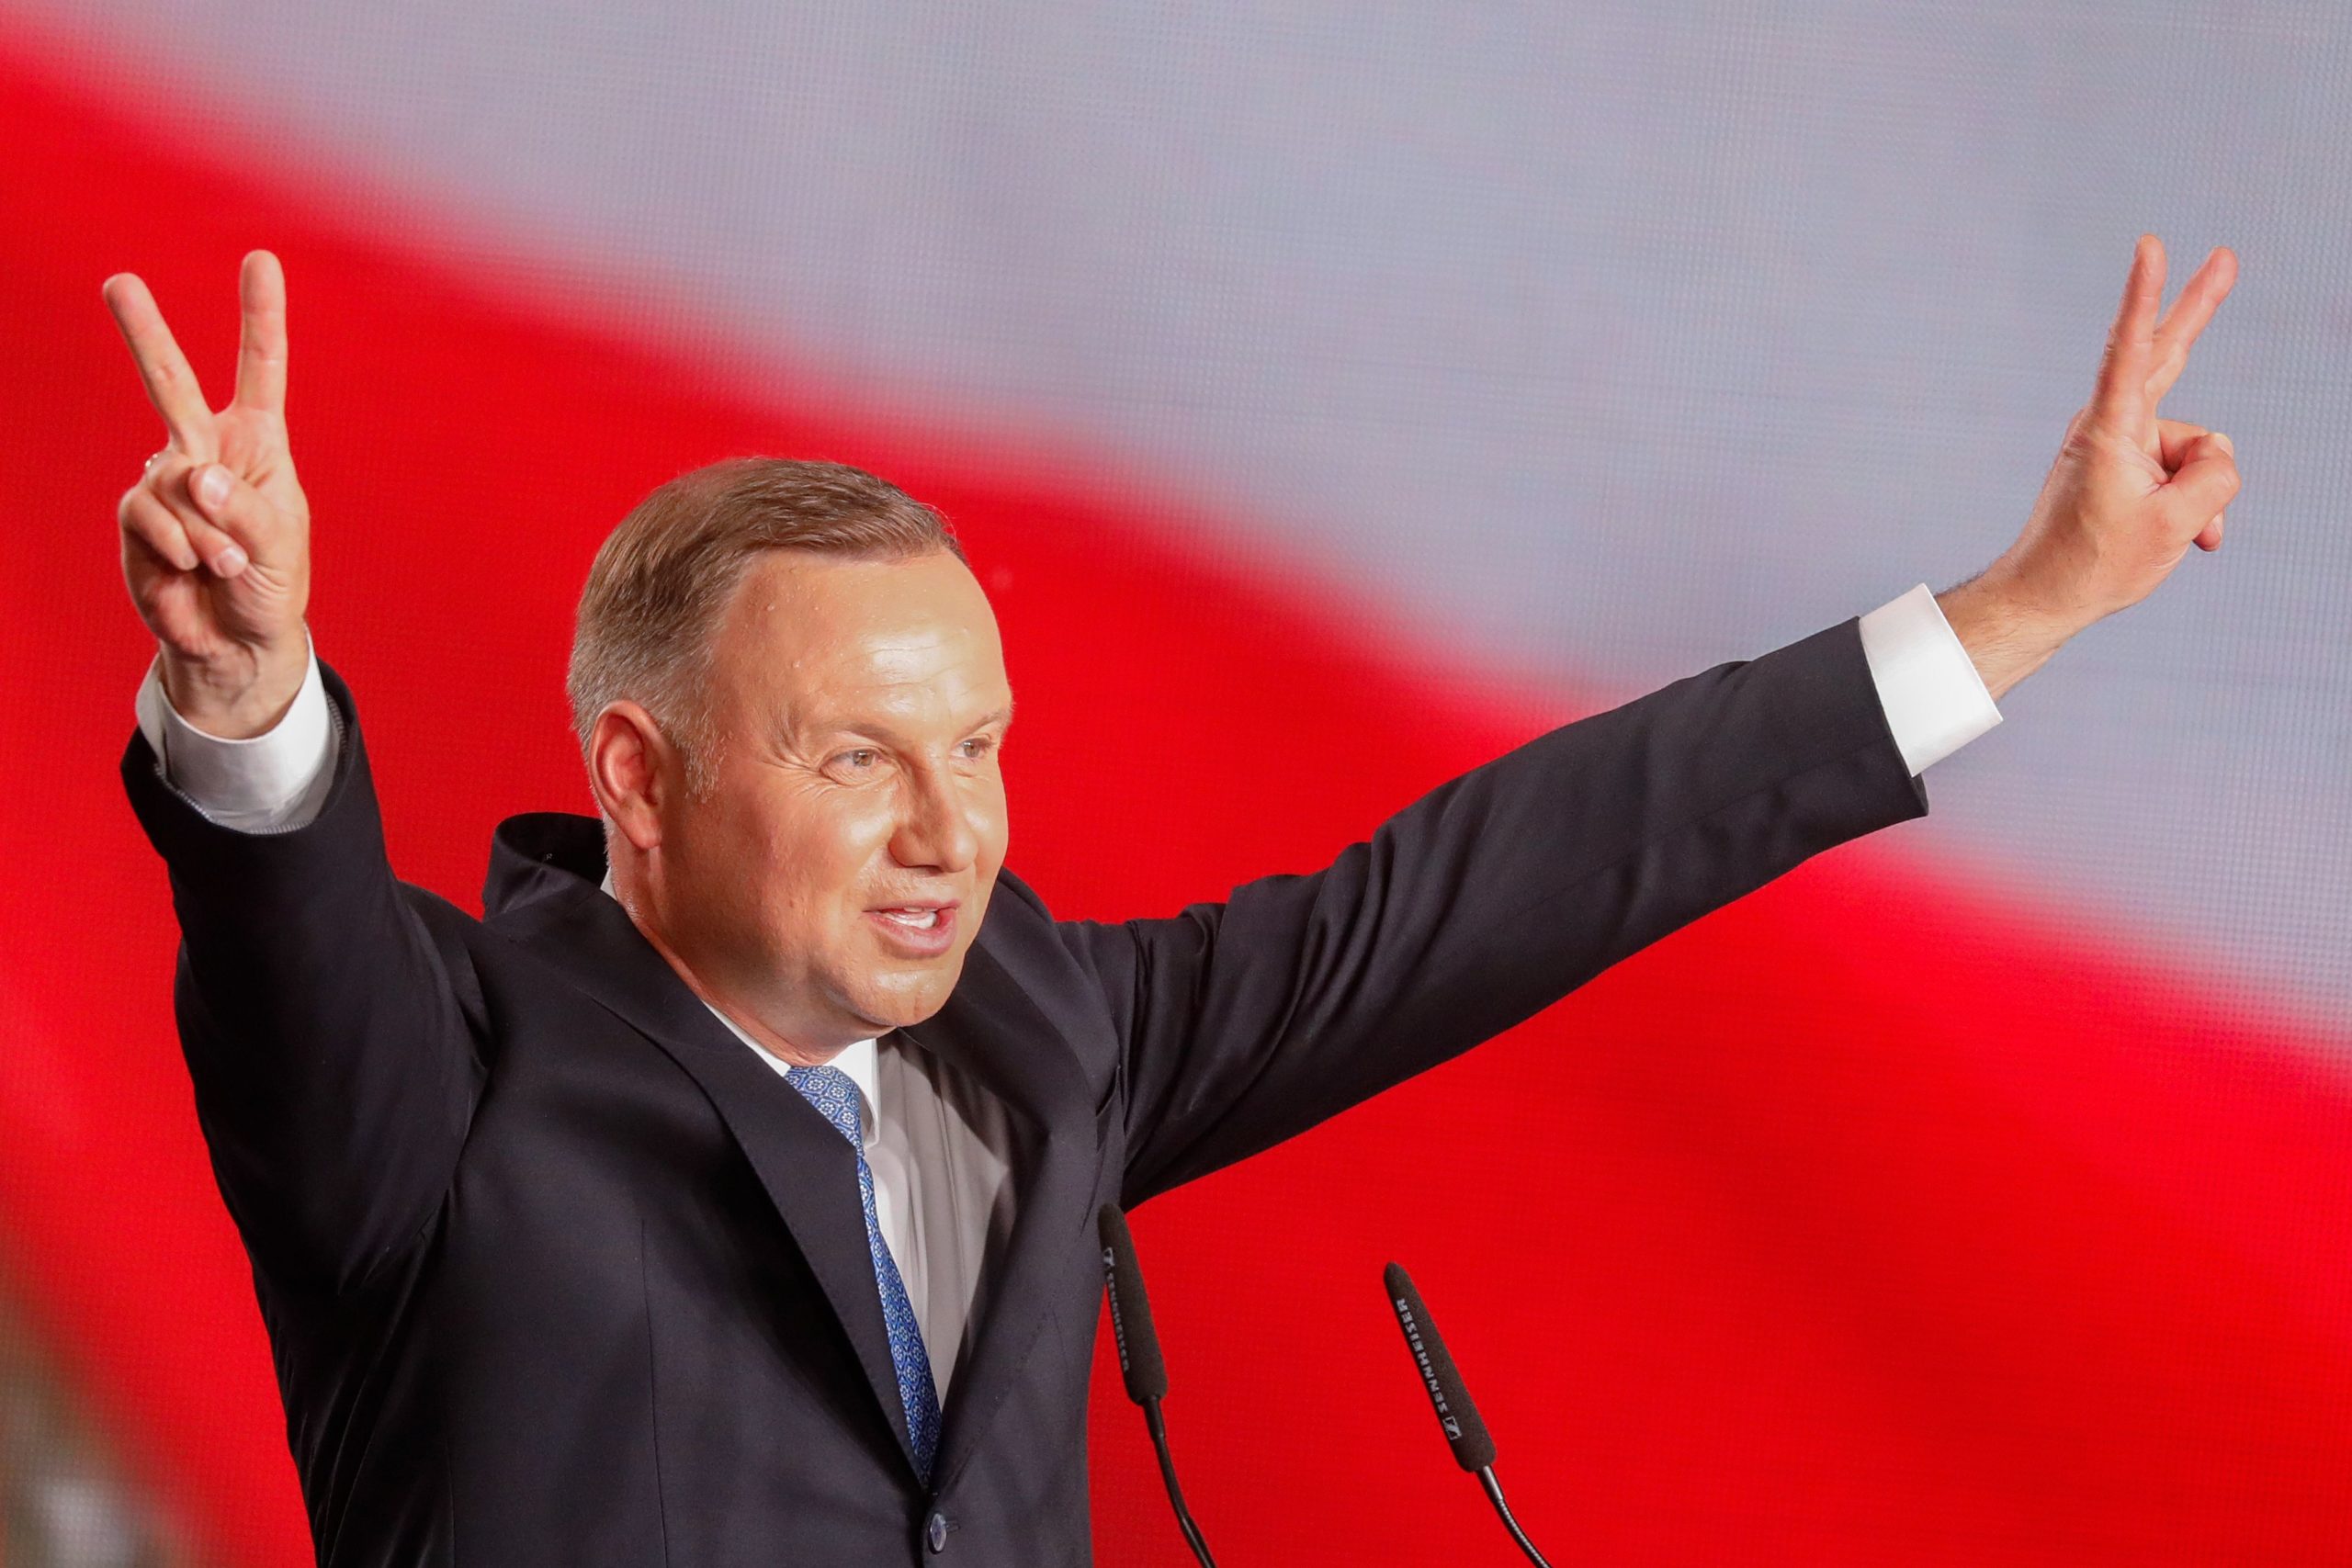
1176	1493
1495	1496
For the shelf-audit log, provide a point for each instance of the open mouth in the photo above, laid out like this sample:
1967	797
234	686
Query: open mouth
923	930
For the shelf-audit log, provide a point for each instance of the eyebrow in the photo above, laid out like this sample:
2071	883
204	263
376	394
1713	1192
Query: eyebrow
883	732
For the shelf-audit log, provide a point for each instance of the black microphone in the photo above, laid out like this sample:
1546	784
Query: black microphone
1465	1434
1140	1364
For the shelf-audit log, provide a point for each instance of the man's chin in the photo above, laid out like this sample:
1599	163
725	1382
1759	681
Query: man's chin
900	1001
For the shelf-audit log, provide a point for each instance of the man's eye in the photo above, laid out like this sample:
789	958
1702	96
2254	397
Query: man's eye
861	757
978	745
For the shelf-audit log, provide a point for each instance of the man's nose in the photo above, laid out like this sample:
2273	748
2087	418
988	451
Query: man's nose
936	830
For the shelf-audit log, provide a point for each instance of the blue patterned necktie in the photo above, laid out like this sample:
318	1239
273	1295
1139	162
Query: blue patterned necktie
835	1094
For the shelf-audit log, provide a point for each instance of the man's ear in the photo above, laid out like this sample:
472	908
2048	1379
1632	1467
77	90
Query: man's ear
634	771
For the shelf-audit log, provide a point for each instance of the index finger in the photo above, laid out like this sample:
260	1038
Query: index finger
171	385
261	351
2117	401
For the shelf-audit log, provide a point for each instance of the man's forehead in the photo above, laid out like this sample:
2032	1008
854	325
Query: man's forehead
823	647
819	604
904	656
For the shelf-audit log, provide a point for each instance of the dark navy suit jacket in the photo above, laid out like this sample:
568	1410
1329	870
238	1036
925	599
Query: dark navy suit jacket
557	1272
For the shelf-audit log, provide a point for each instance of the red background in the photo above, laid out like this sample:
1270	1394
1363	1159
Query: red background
1877	1218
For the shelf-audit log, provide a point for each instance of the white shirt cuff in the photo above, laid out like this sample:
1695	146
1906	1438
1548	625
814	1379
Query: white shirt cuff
273	781
1935	701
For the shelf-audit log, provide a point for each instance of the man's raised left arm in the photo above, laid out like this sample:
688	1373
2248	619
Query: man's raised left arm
1247	1020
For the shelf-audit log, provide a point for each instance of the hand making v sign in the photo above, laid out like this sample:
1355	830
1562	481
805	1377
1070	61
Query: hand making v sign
216	534
2127	496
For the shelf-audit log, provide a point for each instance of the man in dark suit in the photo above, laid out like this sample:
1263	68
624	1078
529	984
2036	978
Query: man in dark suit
725	1195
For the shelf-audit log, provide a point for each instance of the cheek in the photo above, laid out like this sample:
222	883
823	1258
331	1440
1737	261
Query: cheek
800	860
994	827
830	852
993	821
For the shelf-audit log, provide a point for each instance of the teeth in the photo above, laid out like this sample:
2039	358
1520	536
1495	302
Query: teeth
920	919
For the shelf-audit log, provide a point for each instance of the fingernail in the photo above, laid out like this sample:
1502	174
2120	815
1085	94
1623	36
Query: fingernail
2224	443
213	487
230	562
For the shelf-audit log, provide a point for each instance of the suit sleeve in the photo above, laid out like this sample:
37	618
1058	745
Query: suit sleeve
1246	1022
329	1017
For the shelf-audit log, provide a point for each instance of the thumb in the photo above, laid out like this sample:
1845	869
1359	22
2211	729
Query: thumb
2203	485
236	508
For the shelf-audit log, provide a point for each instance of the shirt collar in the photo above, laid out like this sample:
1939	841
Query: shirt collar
859	1060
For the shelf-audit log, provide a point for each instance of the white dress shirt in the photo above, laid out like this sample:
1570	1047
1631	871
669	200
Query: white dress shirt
936	1141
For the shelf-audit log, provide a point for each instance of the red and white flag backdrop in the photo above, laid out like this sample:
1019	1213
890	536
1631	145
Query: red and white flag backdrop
1916	1208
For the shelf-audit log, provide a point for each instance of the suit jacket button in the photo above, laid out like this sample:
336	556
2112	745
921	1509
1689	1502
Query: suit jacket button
935	1533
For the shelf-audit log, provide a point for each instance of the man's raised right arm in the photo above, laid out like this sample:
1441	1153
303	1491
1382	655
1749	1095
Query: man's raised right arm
330	1016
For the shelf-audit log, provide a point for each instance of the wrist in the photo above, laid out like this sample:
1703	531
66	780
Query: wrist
2008	636
239	695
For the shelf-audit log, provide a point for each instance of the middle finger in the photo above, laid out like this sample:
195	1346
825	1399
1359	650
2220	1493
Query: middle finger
2198	298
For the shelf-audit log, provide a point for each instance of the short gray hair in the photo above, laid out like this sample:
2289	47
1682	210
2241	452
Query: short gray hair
649	614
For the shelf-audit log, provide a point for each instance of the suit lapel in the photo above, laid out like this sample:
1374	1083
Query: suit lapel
808	1170
542	891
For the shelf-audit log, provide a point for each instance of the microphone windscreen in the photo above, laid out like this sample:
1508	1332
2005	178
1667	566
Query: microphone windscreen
1139	1361
1464	1433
